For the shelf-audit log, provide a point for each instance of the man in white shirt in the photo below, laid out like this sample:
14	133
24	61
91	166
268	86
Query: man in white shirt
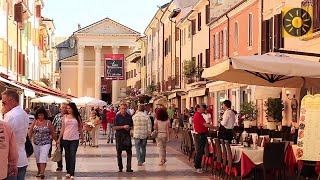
227	122
18	119
206	115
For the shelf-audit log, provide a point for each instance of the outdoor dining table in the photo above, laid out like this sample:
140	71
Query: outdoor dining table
250	157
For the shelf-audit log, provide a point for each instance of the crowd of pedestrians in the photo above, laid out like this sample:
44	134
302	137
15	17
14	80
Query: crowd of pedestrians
66	129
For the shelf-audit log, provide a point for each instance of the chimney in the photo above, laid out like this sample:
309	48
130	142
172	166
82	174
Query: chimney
79	26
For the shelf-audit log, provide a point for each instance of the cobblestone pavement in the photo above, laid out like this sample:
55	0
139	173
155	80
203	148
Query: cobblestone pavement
101	163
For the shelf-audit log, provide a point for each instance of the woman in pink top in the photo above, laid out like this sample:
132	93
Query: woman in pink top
71	132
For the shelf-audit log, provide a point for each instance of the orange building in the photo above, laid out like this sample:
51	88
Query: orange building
236	32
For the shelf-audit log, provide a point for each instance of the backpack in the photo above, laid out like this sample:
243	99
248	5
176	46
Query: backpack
28	146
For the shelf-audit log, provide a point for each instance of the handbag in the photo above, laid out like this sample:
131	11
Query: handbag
57	155
28	147
154	134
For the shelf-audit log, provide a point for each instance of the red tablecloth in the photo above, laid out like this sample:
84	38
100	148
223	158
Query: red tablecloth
246	165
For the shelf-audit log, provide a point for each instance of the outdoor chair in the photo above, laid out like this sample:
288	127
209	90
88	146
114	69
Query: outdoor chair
273	159
224	157
232	168
217	157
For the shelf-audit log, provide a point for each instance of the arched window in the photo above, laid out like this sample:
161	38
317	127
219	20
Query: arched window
236	36
225	35
250	30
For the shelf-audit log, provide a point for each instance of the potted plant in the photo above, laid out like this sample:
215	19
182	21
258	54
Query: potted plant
248	111
273	109
189	70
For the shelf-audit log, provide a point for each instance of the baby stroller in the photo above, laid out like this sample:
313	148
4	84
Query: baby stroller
87	135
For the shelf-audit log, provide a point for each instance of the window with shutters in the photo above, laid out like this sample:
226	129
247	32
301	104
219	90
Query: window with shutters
11	60
265	37
250	30
193	23
216	46
189	31
135	73
270	21
236	36
207	13
199	21
278	38
201	60
224	44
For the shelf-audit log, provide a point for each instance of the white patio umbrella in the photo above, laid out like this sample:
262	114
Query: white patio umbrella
266	70
49	99
89	101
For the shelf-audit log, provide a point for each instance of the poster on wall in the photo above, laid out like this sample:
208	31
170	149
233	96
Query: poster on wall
114	66
309	124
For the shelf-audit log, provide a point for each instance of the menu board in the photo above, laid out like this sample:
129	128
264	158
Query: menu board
114	66
309	126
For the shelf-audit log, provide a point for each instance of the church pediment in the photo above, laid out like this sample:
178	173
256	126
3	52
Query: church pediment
107	26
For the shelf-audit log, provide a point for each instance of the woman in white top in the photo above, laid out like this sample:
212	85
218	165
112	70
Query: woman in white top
207	116
71	132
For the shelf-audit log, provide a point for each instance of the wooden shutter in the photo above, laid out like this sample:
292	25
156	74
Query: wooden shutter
264	37
207	13
38	11
18	12
20	63
278	39
199	21
207	58
193	27
316	15
177	34
270	34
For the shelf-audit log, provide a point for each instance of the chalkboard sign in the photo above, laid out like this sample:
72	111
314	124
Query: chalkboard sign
114	66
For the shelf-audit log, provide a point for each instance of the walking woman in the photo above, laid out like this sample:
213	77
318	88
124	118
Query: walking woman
70	131
94	119
162	125
42	131
175	124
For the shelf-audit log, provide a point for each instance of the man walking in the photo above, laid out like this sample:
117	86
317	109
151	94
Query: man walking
123	124
141	131
8	151
201	129
18	120
110	120
57	123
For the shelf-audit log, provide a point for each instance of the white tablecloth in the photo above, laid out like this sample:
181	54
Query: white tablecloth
255	155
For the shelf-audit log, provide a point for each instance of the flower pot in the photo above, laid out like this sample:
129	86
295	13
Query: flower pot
272	125
246	124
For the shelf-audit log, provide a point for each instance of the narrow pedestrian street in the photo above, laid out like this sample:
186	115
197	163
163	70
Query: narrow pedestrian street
101	163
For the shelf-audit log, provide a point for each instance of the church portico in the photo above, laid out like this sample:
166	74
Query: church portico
92	43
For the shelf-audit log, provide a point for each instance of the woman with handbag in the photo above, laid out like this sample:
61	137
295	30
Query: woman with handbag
94	119
42	132
162	127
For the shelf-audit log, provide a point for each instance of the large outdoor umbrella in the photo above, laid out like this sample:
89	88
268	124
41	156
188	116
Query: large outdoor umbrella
48	100
83	101
266	70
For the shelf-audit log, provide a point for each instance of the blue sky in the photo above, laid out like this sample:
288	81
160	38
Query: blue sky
66	14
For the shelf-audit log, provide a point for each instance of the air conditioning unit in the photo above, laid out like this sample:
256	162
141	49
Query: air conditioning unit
219	2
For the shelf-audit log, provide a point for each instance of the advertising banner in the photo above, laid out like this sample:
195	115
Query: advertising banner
114	66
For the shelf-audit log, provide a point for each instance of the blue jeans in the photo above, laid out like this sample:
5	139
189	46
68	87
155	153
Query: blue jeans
110	132
21	174
141	150
70	148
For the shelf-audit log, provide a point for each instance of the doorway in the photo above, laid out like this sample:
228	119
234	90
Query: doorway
106	97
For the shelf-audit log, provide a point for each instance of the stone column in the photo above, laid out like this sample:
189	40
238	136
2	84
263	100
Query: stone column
80	70
115	83
97	80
